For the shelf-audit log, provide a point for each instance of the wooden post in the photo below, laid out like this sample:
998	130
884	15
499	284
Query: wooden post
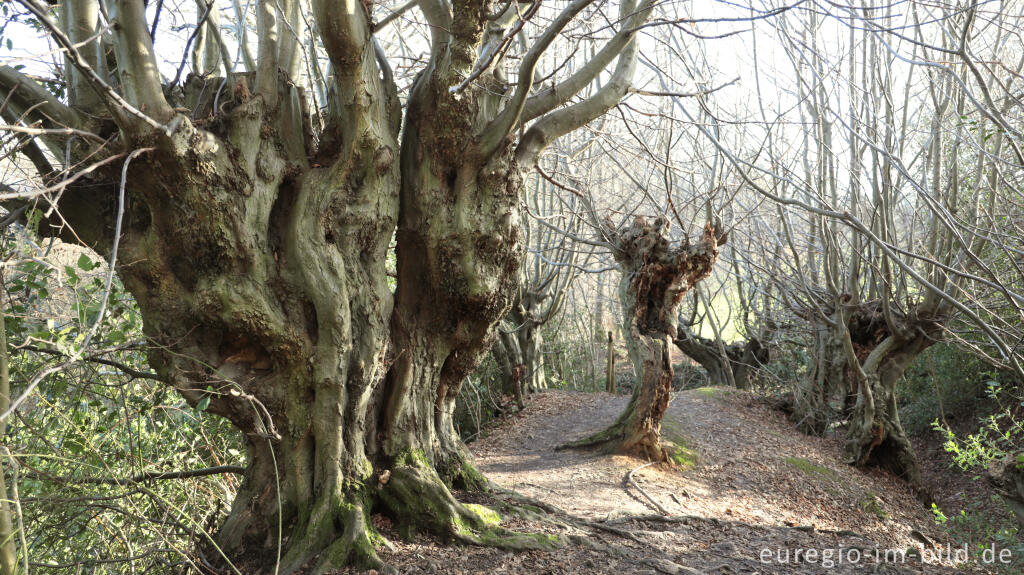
610	376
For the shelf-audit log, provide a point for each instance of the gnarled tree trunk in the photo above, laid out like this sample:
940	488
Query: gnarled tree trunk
741	358
659	276
812	397
256	245
260	276
875	435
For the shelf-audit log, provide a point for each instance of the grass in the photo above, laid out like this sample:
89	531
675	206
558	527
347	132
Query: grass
871	503
809	467
712	392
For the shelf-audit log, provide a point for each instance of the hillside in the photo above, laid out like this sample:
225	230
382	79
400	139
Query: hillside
751	492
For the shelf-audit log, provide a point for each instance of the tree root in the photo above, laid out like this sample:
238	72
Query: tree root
631	481
415	497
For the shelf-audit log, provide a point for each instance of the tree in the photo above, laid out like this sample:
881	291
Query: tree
655	277
732	363
252	229
892	254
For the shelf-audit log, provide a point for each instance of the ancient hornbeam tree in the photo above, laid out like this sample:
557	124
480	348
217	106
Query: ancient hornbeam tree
655	277
252	229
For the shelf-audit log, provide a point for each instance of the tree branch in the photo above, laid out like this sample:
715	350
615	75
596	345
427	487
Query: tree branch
147	476
558	94
503	124
560	122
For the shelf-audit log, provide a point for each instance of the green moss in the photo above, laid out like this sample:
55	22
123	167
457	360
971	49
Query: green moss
871	504
682	455
810	467
546	539
413	458
713	392
469	478
487	515
678	446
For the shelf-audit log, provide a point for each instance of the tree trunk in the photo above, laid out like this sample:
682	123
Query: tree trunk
754	355
705	352
8	551
812	397
609	378
658	278
633	346
261	279
532	343
742	359
875	435
507	355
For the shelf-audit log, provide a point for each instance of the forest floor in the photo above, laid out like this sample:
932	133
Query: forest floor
759	498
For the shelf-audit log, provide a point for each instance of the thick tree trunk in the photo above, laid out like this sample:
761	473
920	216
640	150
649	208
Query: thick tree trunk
752	356
507	356
532	343
255	247
261	279
521	355
703	351
875	435
659	277
813	394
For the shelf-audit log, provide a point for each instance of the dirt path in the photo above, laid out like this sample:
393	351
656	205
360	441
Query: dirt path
757	492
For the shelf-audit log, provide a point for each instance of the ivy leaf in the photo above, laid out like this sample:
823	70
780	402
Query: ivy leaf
85	263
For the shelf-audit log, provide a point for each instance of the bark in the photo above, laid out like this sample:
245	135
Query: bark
813	395
8	551
1006	475
256	248
609	376
659	276
520	349
261	280
506	353
875	435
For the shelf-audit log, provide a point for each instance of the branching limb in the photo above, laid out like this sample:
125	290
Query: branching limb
560	122
140	78
503	124
560	93
149	476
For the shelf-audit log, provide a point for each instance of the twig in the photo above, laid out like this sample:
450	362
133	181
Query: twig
151	476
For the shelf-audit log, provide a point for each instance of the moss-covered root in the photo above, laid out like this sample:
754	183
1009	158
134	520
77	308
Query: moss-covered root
416	499
337	534
613	434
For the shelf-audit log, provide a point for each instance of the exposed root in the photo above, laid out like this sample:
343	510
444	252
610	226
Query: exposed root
631	481
613	433
356	546
415	497
884	444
